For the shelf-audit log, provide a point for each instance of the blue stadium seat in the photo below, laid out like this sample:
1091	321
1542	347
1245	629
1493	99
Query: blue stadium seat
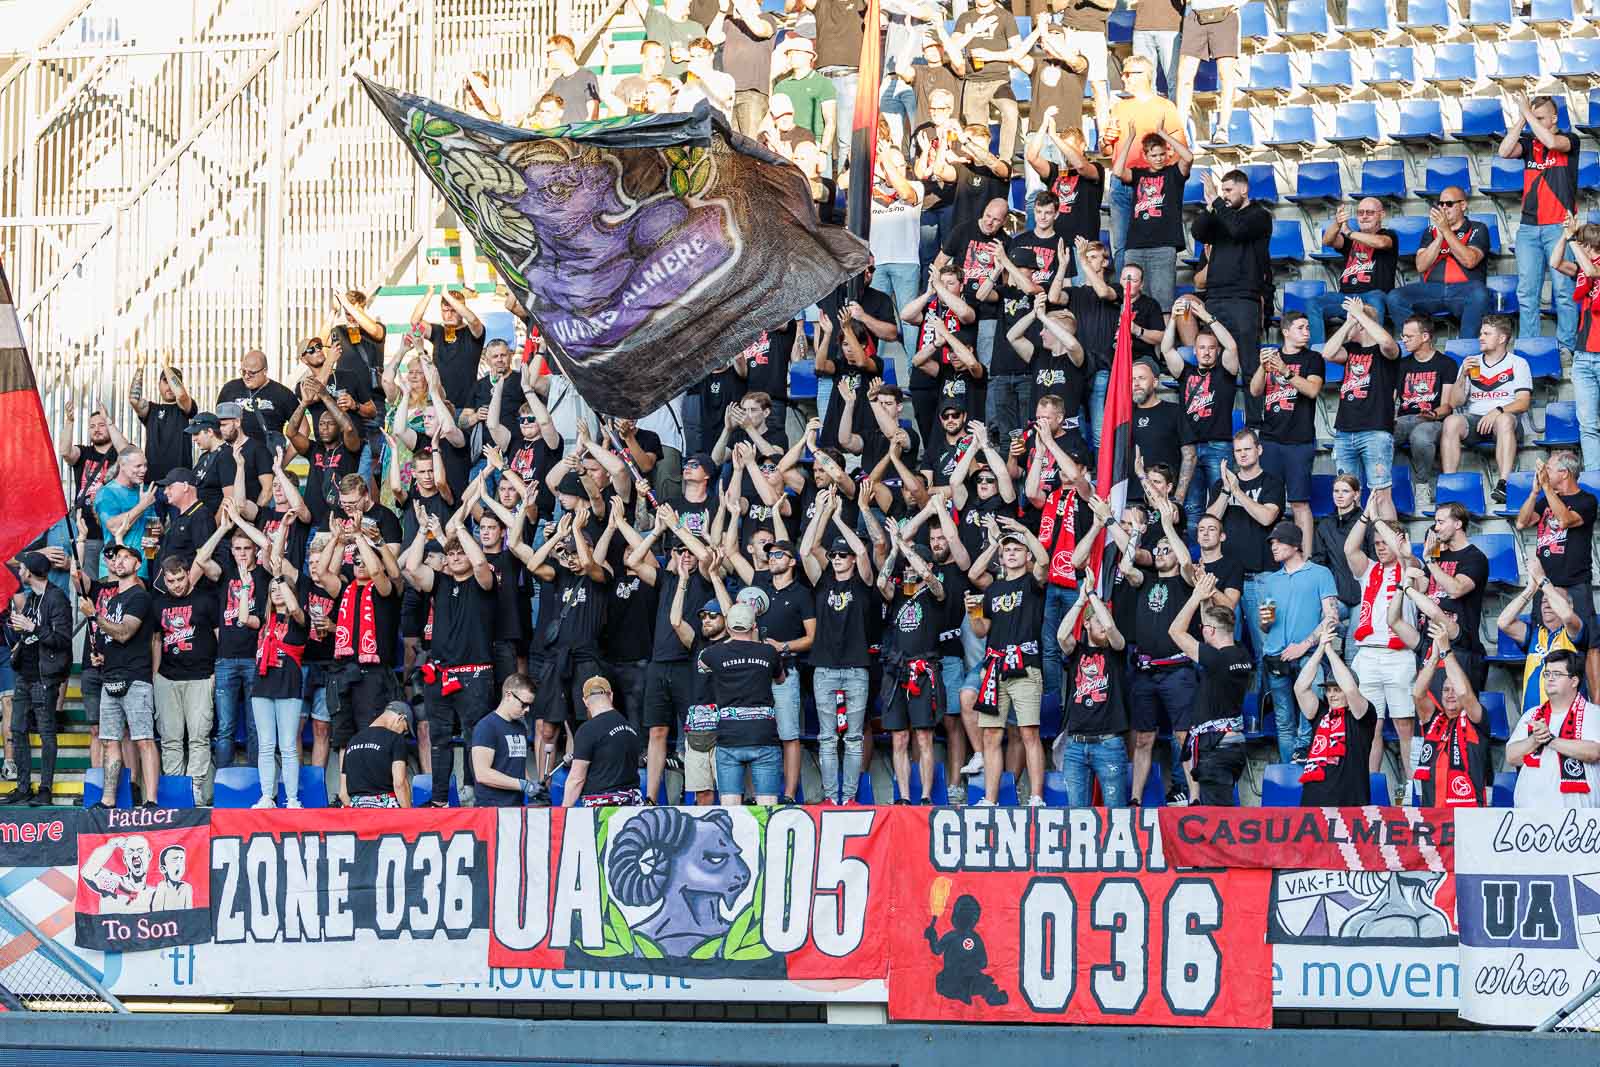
1298	292
1441	172
1506	653
1050	716
1255	27
1588	171
1008	790
1328	256
1317	183
1019	193
1402	492
1518	485
1288	243
1355	126
1490	223
941	788
661	787
803	379
1505	179
1591	127
1505	789
1055	789
1501	548
1119	29
235	787
174	791
1455	68
1560	424
1459	348
1263	182
1331	76
1383	178
1553	17
1378	789
1280	785
1589	481
1517	63
1408	231
1494	714
1306	24
1255	727
1194	191
864	790
1270	80
1394	71
1420	122
1464	488
1241	131
1580	64
1294	127
94	788
313	788
1428	20
1483	121
1322	494
1366	21
1502	293
1543	355
1489	18
422	789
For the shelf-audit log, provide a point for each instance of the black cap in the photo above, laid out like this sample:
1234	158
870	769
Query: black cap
1286	532
952	404
703	460
571	485
113	547
841	545
203	420
781	546
179	476
36	562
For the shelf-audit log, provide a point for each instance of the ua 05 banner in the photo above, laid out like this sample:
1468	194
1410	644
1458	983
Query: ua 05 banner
142	878
700	892
1345	839
39	837
1070	916
1528	903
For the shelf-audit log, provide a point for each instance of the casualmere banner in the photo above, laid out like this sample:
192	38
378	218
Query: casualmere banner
1528	901
1070	916
39	837
1349	839
142	878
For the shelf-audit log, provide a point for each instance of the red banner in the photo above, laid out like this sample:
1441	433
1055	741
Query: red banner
1335	839
1049	915
143	878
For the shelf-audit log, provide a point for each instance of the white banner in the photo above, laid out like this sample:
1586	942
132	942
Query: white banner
1528	904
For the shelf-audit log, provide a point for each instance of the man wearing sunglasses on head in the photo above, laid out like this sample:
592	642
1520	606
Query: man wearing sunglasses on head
1452	262
265	404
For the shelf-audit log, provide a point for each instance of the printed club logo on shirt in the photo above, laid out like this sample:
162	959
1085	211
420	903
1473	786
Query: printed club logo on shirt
1008	602
1149	196
1416	392
1066	189
1552	535
909	618
177	628
1435	590
978	261
1090	684
1358	265
840	599
1281	396
1357	376
1156	599
1199	397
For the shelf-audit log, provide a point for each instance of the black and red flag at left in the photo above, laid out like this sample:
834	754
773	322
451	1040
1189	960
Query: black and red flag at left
31	500
864	127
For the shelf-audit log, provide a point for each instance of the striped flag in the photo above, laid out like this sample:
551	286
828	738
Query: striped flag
30	489
864	126
1116	443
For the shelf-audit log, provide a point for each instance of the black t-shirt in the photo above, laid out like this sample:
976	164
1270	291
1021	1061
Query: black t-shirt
767	361
1366	395
718	390
187	531
327	463
237	641
1015	607
208	477
842	608
354	344
1289	417
665	646
1037	256
1097	323
295	541
386	624
318	606
973	253
956	586
166	445
1096	690
1247	539
1422	384
1225	676
433	504
456	352
1347	784
1368	270
1079	196
915	622
974	517
787	608
1469	562
611	745
95	467
282	680
257	464
1158	435
1157	217
388	527
857	378
463	620
508	740
1158	602
580	604
1208	402
531	461
1055	375
1565	554
1227	570
95	639
631	605
369	760
265	409
510	596
189	633
512	398
742	673
350	378
130	660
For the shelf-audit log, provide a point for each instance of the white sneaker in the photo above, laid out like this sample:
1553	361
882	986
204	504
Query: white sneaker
1036	802
293	804
974	765
982	804
265	802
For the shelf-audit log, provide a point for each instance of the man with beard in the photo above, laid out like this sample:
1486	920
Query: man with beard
185	680
335	453
1207	392
1164	680
126	703
166	443
241	449
345	384
93	465
790	626
911	692
536	446
1158	434
950	563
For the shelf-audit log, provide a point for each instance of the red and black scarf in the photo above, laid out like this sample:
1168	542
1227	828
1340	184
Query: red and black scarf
272	648
998	664
1573	778
1059	535
1327	745
353	635
1445	746
1379	578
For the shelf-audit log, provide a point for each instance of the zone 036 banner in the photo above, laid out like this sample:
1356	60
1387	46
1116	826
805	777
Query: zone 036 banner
1033	915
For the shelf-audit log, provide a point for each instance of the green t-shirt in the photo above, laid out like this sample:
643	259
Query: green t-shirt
809	94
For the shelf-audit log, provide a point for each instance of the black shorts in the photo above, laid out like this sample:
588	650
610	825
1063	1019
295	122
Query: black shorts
560	702
1217	768
413	613
1474	438
627	687
1163	695
357	695
903	711
89	686
504	655
668	692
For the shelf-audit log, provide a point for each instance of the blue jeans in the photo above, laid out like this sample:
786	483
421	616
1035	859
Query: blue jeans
1160	47
1467	301
898	103
1097	407
764	761
937	222
786	705
1319	307
1160	266
235	678
1107	759
1209	458
278	735
1534	245
1121	211
1586	388
1057	602
899	281
844	111
825	681
1368	454
1294	729
1009	403
1250	609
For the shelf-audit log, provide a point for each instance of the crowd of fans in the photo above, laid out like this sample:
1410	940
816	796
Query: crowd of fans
715	593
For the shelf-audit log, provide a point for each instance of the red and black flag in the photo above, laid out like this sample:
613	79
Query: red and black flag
144	879
864	127
1116	442
30	489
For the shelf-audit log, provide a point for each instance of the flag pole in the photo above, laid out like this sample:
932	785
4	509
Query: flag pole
864	135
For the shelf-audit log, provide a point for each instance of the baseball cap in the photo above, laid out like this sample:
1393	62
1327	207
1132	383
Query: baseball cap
1286	532
113	547
781	546
230	410
1013	537
794	40
596	684
36	562
179	476
203	420
712	607
571	485
406	712
756	597
952	404
741	618
841	545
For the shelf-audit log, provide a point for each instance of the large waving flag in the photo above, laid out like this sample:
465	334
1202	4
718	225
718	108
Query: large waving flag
650	249
30	489
1116	442
864	127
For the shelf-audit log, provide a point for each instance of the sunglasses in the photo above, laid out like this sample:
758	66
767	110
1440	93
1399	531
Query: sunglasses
704	615
988	481
953	415
526	420
1162	550
777	553
1450	203
841	555
527	704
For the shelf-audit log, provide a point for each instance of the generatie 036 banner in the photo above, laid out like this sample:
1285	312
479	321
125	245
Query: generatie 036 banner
1528	903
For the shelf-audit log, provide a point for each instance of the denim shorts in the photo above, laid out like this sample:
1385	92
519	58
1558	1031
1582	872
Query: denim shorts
786	706
1292	463
314	684
765	763
953	671
131	714
8	677
1368	454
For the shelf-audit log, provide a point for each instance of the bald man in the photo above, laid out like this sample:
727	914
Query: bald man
1453	262
974	246
1370	262
266	403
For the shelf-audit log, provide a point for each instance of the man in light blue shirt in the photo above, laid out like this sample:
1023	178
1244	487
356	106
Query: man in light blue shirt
125	506
1295	600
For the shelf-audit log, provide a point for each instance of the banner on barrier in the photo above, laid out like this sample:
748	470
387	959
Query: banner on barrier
1070	916
1351	839
142	878
1528	903
39	837
715	893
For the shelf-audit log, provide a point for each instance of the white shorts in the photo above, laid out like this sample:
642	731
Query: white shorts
1093	47
1386	675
